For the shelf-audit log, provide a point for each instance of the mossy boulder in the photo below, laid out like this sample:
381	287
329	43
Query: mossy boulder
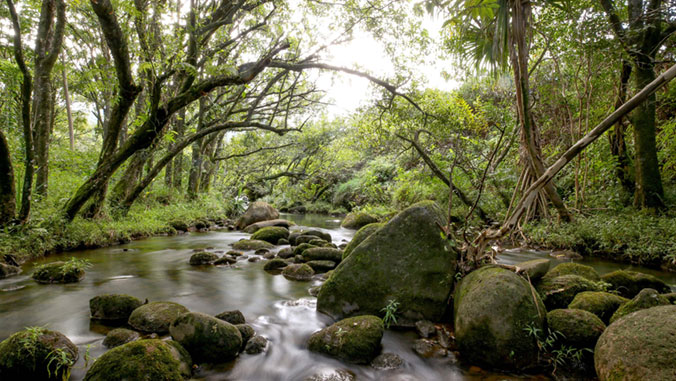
120	336
321	266
298	271
252	244
150	360
360	236
225	260
580	329
58	272
571	268
275	264
357	220
271	234
203	258
492	308
206	338
309	232
647	298
8	270
319	242
36	354
601	304
113	306
256	345
355	339
630	283
285	253
309	239
247	333
406	260
256	212
323	254
640	346
534	269
156	316
559	291
298	250
263	224
232	317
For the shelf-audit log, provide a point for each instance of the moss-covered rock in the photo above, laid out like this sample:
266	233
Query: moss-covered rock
8	270
256	212
256	345
225	260
647	298
232	317
203	258
247	333
58	272
492	309
274	264
357	220
406	260
206	338
323	254
630	283
36	354
251	244
156	316
298	271
571	268
309	232
263	224
319	242
321	266
580	329
113	306
534	269
355	339
149	360
601	304
120	336
640	346
271	234
308	239
360	236
285	253
298	250
559	291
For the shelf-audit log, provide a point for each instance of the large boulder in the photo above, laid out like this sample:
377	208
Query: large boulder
58	272
142	360
355	339
113	306
271	234
263	224
206	338
407	260
360	236
256	212
600	303
357	220
571	268
630	283
322	254
640	346
36	354
579	328
559	291
493	308
252	244
645	299
156	317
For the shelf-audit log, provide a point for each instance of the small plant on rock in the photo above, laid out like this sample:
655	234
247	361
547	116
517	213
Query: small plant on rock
390	313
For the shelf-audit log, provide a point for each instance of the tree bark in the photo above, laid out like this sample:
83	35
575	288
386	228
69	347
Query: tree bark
66	95
7	192
618	146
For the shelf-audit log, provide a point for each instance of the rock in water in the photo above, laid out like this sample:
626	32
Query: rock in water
535	269
640	346
142	360
360	236
120	336
58	272
493	309
252	244
298	271
387	361
113	306
30	355
256	345
559	292
645	299
203	258
256	212
271	234
601	304
156	316
570	268
323	254
355	339
232	317
7	270
357	220
580	329
263	224
206	338
630	283
406	260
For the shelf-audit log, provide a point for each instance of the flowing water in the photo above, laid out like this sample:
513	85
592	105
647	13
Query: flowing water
157	269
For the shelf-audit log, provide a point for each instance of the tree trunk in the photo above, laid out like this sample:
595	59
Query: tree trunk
618	146
178	160
7	192
195	169
66	95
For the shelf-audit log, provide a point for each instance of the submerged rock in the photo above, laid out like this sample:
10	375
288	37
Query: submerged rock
271	234
58	272
156	316
360	236
601	304
355	339
119	336
8	270
357	220
206	338
113	306
251	244
298	271
580	329
645	299
232	317
559	291
571	268
36	354
203	258
427	348
630	283
256	212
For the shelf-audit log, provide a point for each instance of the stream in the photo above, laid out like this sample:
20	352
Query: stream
157	269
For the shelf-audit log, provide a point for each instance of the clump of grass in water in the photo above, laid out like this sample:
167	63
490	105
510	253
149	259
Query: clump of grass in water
390	313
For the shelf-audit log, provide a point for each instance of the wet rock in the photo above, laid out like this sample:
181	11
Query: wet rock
225	260
570	268
242	257
601	304
630	283
321	266
271	234
640	346
156	316
232	317
203	258
285	253
560	291
534	269
314	291
119	336
492	308
319	242
357	220
30	355
206	338
142	360
307	238
250	244
645	299
269	255
425	328
264	224
323	254
360	236
309	232
387	361
283	241
428	348
234	253
253	259
113	306
256	212
8	270
298	259
58	272
334	375
298	271
262	251
298	250
247	333
580	329
198	250
355	339
256	345
274	264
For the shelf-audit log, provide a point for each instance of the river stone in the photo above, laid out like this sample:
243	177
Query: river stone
407	260
206	338
630	283
357	220
253	259
645	299
225	260
29	355
156	316
274	264
321	266
428	349
320	242
271	234
119	336
355	339
247	333
570	268
307	238
256	212
580	329
559	292
283	241
232	317
285	253
113	306
535	269
387	361
492	308
314	291
323	254
640	346
58	272
234	253
425	328
309	232
360	236
333	375
298	259
256	345
298	250
250	244
151	359
601	304
264	224
298	271
8	270
203	258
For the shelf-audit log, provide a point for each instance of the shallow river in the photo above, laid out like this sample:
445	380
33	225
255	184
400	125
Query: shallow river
157	269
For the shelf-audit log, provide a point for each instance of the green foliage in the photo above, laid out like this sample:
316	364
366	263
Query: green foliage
555	354
390	311
57	360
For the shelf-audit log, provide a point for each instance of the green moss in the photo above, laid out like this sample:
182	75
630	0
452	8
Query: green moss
357	220
570	268
274	264
59	272
37	354
355	339
323	254
320	266
250	244
113	306
120	336
301	248
271	234
580	329
360	236
203	258
647	298
601	304
630	283
156	316
206	338
558	292
298	271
